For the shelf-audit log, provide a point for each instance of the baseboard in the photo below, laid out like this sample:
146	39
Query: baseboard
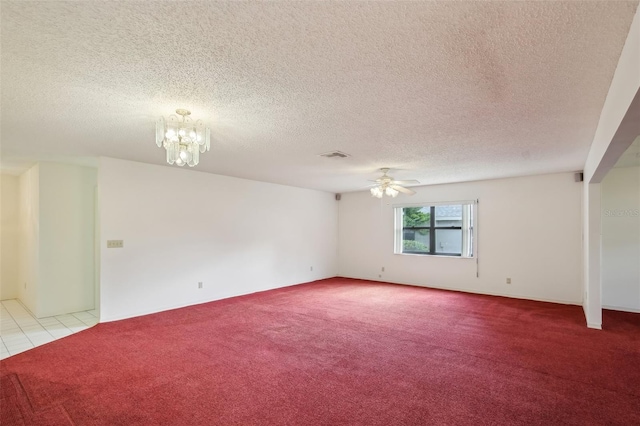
621	309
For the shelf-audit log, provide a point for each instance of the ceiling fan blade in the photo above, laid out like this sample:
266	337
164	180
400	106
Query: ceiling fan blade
406	182
402	189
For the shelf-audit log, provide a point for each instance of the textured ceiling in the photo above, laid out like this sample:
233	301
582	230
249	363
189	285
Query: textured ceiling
438	91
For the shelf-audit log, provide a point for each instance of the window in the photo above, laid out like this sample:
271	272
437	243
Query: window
438	229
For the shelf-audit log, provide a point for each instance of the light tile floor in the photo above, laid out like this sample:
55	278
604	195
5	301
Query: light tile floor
21	331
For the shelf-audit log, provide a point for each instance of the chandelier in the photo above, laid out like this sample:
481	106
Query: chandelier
183	138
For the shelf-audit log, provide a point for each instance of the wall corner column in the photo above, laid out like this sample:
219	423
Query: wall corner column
592	250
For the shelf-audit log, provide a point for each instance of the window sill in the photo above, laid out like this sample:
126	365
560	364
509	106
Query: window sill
434	255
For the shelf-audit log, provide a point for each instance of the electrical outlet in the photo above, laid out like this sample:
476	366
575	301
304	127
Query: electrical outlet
200	284
115	243
383	269
311	269
508	280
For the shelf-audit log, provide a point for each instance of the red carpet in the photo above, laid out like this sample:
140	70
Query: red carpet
336	352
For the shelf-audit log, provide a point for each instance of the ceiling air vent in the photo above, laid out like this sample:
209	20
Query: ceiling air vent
334	154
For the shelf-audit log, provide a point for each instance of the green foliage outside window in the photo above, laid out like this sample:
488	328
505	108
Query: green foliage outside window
410	245
414	216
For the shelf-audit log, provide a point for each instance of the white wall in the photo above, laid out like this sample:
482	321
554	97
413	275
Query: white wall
181	227
621	239
9	232
56	244
529	230
29	242
67	212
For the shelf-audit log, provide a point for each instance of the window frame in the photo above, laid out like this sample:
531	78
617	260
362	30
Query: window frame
468	229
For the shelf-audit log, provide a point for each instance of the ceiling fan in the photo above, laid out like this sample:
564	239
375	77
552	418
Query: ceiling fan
385	184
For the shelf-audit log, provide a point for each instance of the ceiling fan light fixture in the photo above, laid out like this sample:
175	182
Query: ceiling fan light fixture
391	192
183	138
376	191
386	185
